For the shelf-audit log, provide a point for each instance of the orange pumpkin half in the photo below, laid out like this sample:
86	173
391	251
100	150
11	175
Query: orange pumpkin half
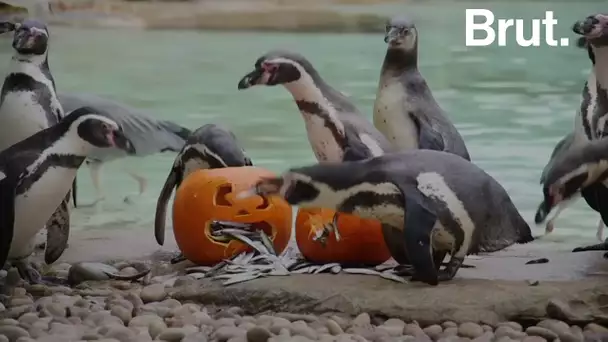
207	195
361	240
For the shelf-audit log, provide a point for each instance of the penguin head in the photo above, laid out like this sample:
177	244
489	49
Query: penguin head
98	130
594	29
218	147
401	34
31	37
560	190
278	67
295	188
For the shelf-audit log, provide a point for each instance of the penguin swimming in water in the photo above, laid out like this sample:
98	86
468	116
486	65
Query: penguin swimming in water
36	173
333	123
439	202
404	100
591	124
28	104
209	147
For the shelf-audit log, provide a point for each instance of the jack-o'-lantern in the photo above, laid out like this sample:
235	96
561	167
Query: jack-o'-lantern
361	240
210	195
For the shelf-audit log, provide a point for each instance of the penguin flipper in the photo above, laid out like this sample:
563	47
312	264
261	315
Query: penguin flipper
7	216
418	225
161	204
58	231
428	138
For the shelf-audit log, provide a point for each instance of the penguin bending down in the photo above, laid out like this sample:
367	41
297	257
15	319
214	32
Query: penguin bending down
36	173
438	202
333	123
405	109
591	124
209	147
28	104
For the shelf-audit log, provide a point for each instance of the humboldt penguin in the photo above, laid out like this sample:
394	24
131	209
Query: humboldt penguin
590	125
147	134
28	104
404	100
439	202
38	171
332	121
209	147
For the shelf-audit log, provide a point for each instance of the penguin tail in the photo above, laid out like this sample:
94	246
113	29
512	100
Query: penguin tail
525	233
182	132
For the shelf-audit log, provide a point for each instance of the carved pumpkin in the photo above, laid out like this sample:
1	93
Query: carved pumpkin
207	195
361	240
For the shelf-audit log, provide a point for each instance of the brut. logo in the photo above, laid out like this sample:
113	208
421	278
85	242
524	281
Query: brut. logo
505	26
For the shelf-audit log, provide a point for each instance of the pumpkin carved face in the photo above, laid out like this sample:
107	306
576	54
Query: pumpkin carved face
210	195
361	240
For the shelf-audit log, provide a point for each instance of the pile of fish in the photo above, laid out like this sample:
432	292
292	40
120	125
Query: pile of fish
263	261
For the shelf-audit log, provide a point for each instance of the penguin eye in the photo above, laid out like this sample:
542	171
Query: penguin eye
269	67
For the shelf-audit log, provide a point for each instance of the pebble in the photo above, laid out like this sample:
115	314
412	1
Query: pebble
542	332
135	314
258	334
13	332
153	293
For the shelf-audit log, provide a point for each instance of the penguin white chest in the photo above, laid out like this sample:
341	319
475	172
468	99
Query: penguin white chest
322	140
391	115
20	117
34	207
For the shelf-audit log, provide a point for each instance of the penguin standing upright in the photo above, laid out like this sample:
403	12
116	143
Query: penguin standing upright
579	167
439	203
28	104
37	173
209	147
333	124
405	110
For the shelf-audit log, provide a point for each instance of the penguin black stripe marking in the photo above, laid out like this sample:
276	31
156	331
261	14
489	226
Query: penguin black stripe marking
52	160
24	83
209	147
315	109
447	205
584	112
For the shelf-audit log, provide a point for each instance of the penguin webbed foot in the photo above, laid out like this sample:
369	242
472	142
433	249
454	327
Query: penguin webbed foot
603	246
450	269
28	272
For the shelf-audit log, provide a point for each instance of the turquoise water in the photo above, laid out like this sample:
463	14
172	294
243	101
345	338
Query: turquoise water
510	104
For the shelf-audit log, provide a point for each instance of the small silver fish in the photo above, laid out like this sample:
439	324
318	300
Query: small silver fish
258	246
325	267
383	267
307	269
360	271
278	272
336	269
267	242
392	276
198	269
243	277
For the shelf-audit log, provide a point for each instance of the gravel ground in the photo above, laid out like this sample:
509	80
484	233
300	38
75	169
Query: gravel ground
147	314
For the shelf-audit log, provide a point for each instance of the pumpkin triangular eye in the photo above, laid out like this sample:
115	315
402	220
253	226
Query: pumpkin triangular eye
220	195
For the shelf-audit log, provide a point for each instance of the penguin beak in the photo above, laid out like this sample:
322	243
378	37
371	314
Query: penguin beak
592	26
251	79
392	35
420	253
118	139
542	212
